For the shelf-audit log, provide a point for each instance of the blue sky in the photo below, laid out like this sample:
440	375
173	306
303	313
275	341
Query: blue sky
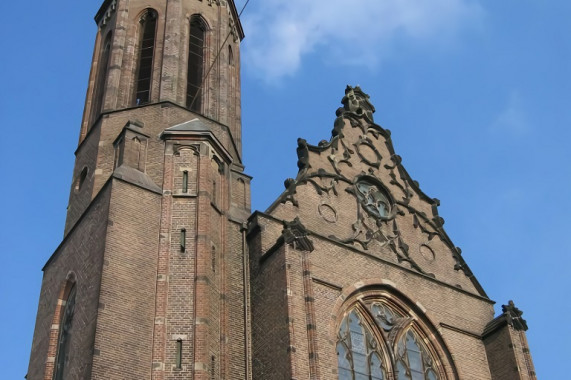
477	95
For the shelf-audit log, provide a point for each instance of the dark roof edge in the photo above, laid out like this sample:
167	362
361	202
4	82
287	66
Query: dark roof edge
234	12
102	10
78	221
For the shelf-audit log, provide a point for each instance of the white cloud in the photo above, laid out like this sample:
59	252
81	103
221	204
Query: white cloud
359	32
512	119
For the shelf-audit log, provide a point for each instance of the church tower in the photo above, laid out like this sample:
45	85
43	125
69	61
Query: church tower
150	279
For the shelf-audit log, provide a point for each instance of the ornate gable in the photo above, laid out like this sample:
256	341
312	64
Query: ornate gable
354	190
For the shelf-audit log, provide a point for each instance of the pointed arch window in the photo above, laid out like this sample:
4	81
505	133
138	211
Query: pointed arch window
64	336
377	340
230	56
358	354
146	56
101	78
232	86
195	63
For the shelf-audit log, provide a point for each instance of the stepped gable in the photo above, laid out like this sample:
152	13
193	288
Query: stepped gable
354	190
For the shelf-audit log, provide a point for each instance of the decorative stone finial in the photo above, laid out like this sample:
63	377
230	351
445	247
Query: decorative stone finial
513	316
295	234
288	182
302	154
356	102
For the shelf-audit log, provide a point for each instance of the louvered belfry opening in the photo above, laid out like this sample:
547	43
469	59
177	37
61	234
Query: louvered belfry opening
146	55
195	64
99	92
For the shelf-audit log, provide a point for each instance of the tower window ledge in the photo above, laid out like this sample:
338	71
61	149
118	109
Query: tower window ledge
180	194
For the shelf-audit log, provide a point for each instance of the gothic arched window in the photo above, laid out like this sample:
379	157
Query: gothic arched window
358	353
99	93
195	73
146	55
64	335
376	340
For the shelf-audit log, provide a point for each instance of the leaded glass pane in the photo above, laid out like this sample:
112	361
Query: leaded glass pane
64	336
415	359
414	356
345	374
401	371
343	363
431	375
358	355
376	368
358	347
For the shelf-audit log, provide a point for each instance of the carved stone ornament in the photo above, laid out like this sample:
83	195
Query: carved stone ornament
302	154
178	147
376	226
327	212
376	220
373	199
357	103
513	316
210	2
232	26
110	10
295	234
390	321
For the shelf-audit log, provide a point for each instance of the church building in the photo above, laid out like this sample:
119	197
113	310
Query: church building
164	272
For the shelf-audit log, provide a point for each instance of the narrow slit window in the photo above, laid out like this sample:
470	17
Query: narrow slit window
212	367
185	181
118	153
146	55
231	85
214	192
179	354
183	240
195	64
213	259
80	180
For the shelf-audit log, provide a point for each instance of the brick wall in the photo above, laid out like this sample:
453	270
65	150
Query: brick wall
80	255
127	296
271	342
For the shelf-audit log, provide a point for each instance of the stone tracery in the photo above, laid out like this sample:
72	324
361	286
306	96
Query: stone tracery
376	227
377	341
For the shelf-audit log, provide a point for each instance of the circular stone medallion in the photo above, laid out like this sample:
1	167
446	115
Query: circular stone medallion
427	253
327	212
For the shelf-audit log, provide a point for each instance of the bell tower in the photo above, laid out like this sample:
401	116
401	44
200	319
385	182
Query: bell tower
150	280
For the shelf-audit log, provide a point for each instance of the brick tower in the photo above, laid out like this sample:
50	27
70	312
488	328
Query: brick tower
149	280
